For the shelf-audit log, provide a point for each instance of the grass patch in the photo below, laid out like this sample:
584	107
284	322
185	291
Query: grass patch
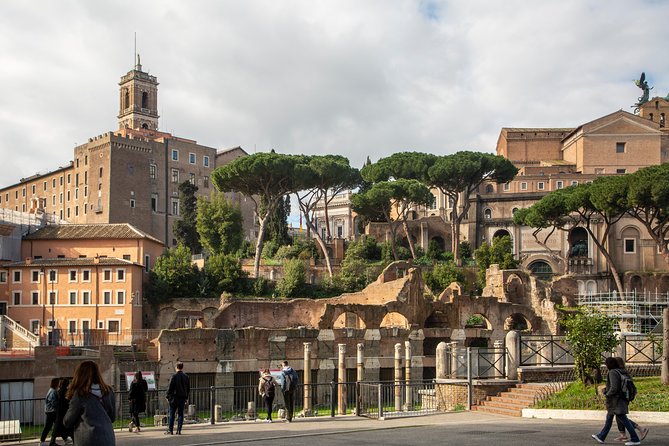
652	396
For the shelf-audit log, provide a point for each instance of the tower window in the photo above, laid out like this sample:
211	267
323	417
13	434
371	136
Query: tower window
620	147
154	202
175	155
175	175
145	99
152	171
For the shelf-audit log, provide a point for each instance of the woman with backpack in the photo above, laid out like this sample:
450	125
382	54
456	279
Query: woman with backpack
137	399
616	403
266	389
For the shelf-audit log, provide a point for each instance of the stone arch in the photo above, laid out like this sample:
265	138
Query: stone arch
591	287
541	269
477	320
581	287
487	213
636	284
437	319
578	242
394	319
349	319
501	233
515	290
440	241
517	321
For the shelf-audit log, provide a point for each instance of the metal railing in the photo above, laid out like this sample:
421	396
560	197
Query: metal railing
96	337
643	349
482	363
392	399
544	350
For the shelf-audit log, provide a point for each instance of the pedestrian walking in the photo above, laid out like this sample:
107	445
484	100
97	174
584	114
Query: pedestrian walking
266	388
92	407
177	396
59	429
137	399
616	404
50	407
621	427
289	382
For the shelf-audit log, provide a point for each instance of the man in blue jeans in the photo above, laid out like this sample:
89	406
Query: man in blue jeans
177	395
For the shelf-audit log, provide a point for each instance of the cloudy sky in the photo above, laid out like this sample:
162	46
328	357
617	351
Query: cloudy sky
359	78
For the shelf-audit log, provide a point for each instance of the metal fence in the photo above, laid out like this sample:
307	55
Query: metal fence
384	400
96	337
480	363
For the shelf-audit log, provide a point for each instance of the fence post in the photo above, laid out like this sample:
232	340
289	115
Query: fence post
333	399
665	347
398	377
358	399
360	377
622	347
212	404
498	368
307	379
469	378
380	400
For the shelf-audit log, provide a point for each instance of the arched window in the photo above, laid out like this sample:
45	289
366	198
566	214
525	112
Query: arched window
489	189
126	99
513	211
145	126
145	99
487	213
541	269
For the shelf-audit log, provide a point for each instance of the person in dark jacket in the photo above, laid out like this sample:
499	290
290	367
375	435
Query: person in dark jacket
289	382
177	395
616	404
50	407
621	427
59	429
92	407
266	388
137	398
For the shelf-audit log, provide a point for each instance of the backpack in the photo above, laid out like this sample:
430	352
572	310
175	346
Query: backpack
290	380
627	387
268	386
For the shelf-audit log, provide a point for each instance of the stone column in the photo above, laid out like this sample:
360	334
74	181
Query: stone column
407	375
498	371
454	359
398	377
621	350
513	358
307	378
665	347
341	391
361	362
441	359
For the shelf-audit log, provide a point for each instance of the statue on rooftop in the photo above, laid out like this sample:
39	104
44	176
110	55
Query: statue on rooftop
643	85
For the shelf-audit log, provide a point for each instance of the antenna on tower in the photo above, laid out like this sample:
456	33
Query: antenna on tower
134	54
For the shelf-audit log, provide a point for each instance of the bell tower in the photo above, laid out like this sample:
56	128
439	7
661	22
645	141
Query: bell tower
138	96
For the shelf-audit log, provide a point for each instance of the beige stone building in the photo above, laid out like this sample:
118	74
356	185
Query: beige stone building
130	175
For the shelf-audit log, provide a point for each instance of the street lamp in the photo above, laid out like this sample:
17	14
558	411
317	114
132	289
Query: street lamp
52	298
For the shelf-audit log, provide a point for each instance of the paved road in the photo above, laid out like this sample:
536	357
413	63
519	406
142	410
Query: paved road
465	428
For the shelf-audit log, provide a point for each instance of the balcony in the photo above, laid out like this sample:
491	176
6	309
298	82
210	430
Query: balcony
579	265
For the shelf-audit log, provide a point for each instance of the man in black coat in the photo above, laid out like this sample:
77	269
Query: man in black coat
177	395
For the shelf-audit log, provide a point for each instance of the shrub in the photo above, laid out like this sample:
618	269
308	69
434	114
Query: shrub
442	275
223	273
269	249
293	280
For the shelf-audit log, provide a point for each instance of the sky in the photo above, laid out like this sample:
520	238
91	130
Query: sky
360	78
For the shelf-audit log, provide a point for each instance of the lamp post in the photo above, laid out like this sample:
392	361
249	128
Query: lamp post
52	298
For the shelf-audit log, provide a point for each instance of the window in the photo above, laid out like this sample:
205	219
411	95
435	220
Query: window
540	185
72	275
126	256
34	298
86	275
16	276
53	182
16	298
34	276
44	186
205	161
191	178
192	159
487	213
53	297
132	202
3	276
620	147
175	175
152	171
72	326
205	182
433	202
175	206
76	211
147	263
106	275
60	198
34	326
120	297
523	186
86	297
621	170
599	171
175	155
106	297
34	188
154	202
73	297
489	189
574	183
629	245
114	326
513	211
559	184
120	275
100	172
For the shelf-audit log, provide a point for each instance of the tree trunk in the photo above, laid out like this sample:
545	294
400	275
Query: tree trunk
259	244
327	216
455	240
607	256
406	232
324	249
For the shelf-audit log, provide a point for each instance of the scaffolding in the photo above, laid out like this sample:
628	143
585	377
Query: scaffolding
635	311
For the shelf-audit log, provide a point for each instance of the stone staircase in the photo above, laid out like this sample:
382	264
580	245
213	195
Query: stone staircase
513	401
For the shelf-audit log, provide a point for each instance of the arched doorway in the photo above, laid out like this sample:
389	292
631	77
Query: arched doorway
501	233
636	284
394	320
517	321
541	269
478	321
349	320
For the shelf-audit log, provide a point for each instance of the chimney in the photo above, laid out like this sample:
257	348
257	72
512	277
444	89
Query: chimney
29	261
